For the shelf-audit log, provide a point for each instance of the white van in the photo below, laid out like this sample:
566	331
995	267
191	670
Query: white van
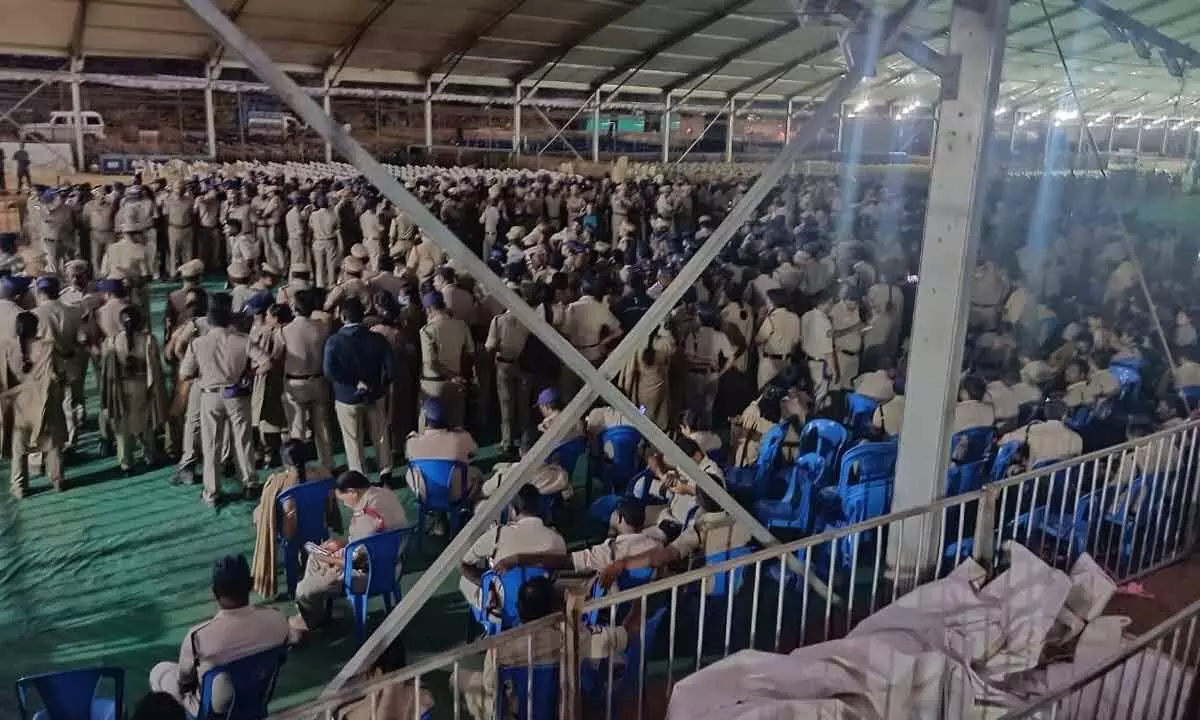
61	126
273	125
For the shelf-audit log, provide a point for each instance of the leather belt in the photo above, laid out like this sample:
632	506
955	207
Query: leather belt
848	352
430	378
302	377
769	356
505	361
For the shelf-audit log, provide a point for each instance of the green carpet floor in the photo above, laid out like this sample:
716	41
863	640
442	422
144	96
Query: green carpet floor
115	570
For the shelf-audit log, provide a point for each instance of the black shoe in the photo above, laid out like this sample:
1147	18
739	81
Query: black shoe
385	479
183	476
107	449
129	471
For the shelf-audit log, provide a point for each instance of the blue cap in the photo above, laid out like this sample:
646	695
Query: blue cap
434	410
575	246
48	195
108	285
17	284
45	282
258	302
548	396
428	299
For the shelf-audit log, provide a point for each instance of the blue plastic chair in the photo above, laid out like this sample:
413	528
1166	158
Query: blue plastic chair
827	438
1127	515
509	583
593	676
794	510
252	680
513	700
969	452
384	552
625	581
868	462
626	461
722	584
439	475
1006	455
71	695
860	416
758	481
567	454
1129	375
310	500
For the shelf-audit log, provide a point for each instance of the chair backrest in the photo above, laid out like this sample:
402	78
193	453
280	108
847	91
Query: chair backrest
509	583
824	437
252	683
1006	454
513	700
860	412
1191	394
1128	375
808	470
310	500
625	442
439	476
971	445
719	586
383	551
867	500
568	452
625	581
68	695
868	462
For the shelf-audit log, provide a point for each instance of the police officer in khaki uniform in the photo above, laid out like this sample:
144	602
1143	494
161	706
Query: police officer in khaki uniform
846	317
296	222
505	340
221	361
987	294
816	340
1050	439
425	258
239	629
373	510
135	219
776	338
271	228
209	243
446	351
190	272
323	225
98	219
592	328
306	391
180	209
127	259
708	355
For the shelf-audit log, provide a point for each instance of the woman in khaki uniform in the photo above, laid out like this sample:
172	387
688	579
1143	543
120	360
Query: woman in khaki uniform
33	382
266	395
133	387
646	377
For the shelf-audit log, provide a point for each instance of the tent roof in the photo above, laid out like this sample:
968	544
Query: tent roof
708	47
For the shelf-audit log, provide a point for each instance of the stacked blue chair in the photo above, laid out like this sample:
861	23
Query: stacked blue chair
625	581
1129	374
524	693
863	492
1127	516
827	438
1006	455
969	460
441	476
384	553
860	415
593	677
794	510
499	613
615	472
566	456
252	680
756	480
310	500
72	695
1191	394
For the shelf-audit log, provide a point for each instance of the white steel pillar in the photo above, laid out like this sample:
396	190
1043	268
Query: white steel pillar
958	183
77	112
1012	137
1137	149
787	123
1112	133
428	116
596	128
729	132
328	100
666	129
841	128
516	138
1166	137
210	119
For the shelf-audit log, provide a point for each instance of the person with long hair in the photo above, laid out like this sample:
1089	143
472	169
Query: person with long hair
133	387
646	377
33	381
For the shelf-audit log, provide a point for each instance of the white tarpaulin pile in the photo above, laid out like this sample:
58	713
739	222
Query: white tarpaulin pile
954	648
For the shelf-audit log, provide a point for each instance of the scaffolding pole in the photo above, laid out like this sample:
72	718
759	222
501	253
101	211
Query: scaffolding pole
210	119
958	183
1137	149
77	112
596	128
328	107
428	119
516	135
787	123
596	381
729	132
666	129
1112	133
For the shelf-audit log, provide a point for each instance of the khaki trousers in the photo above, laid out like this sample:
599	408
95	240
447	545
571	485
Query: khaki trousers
305	404
352	419
325	263
514	395
220	419
179	247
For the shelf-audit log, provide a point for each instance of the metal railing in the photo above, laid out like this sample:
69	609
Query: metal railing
1153	677
1133	507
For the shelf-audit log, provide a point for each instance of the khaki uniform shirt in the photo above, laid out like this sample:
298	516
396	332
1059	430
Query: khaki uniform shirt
108	316
843	319
889	417
1050	440
523	536
781	329
379	510
425	258
231	634
972	414
219	358
816	334
1187	374
877	385
126	259
711	533
597	557
179	210
444	342
1003	400
304	347
324	225
506	337
582	324
705	348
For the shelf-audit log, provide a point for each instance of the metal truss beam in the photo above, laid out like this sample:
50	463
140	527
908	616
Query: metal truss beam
1136	28
337	60
631	68
703	74
465	44
548	61
1066	35
216	51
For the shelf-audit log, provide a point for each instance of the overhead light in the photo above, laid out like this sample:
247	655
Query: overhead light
1100	118
1064	115
1000	110
862	105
